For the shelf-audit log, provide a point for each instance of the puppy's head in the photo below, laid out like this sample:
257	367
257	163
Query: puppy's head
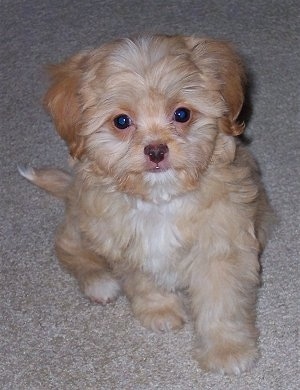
151	113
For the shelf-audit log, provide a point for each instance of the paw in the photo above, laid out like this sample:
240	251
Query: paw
230	358
162	319
103	290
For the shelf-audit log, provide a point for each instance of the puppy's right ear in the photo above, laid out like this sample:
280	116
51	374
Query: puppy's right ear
62	101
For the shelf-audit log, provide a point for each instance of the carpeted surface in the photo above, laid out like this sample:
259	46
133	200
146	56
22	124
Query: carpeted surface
51	336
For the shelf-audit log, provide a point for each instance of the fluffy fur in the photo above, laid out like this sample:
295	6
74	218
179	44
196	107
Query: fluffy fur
191	221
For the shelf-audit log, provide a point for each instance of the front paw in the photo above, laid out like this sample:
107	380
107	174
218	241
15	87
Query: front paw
227	358
162	319
158	312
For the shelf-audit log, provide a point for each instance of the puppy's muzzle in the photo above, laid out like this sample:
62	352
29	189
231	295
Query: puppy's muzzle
156	153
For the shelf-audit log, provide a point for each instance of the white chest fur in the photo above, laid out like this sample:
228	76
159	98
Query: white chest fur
156	228
140	234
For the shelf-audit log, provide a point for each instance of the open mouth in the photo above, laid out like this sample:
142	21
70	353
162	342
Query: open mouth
158	167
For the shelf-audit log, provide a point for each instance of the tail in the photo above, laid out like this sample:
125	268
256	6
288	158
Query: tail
52	180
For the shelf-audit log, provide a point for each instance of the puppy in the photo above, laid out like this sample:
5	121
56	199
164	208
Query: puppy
162	197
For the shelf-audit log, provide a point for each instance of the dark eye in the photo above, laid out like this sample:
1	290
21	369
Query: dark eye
182	114
122	121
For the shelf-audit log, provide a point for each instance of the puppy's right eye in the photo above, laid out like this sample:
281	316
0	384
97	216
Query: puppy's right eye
122	122
182	114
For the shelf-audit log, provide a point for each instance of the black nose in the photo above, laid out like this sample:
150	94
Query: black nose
156	153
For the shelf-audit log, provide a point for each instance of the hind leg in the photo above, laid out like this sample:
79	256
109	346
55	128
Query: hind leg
91	270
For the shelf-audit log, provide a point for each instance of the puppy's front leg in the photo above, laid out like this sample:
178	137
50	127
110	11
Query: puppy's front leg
157	309
223	292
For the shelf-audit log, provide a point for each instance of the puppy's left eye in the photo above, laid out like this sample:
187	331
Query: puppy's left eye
182	114
122	121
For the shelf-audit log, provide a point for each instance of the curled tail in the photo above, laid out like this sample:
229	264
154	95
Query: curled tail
52	180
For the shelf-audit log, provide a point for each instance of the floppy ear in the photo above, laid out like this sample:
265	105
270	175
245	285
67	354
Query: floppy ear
62	101
218	61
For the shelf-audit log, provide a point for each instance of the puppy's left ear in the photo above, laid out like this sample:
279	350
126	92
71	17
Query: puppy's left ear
224	71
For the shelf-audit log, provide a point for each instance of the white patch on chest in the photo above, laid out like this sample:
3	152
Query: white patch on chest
144	234
155	226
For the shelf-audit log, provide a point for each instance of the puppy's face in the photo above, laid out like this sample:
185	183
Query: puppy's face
149	110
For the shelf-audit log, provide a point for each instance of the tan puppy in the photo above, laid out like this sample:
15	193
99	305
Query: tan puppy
162	197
